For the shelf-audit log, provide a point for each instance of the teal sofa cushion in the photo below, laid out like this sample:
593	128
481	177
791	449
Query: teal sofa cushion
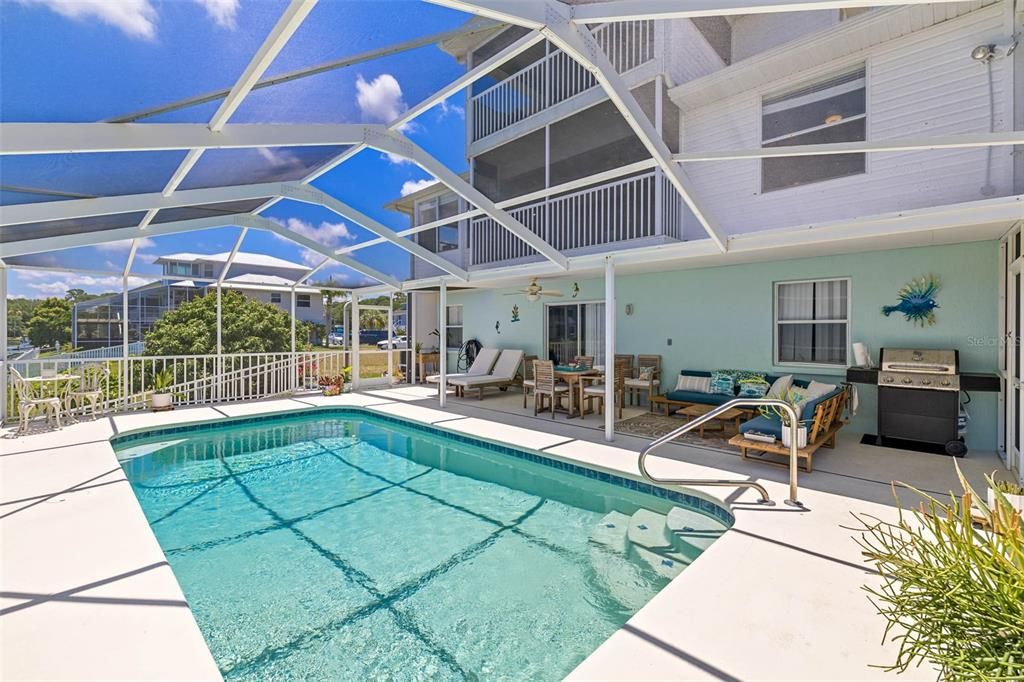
702	398
762	424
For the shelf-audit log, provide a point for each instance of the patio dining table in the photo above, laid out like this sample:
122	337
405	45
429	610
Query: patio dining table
43	381
572	376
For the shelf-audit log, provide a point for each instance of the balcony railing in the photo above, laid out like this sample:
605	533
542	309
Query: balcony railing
636	207
558	77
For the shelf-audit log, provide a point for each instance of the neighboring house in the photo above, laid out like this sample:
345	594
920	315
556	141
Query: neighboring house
97	323
548	146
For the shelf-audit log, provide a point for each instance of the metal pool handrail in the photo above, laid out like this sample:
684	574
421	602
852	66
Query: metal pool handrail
694	423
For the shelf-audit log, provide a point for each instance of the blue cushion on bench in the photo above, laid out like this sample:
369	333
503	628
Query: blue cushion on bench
702	398
763	424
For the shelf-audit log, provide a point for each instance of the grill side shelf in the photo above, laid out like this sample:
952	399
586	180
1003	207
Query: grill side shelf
969	381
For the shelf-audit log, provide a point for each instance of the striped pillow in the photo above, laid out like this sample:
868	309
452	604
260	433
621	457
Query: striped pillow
693	384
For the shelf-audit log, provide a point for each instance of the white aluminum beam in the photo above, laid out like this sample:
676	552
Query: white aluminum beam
307	71
267	225
130	203
470	77
231	256
406	148
79	138
311	195
286	25
579	43
634	10
1013	137
528	13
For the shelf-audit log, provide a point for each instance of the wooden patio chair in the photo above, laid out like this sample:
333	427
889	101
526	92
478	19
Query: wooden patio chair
592	392
29	403
89	390
584	361
628	359
545	386
528	382
647	379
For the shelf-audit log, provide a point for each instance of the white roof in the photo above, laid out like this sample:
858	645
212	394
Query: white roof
241	258
254	282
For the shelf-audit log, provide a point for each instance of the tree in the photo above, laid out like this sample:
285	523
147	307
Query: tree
248	326
19	312
50	323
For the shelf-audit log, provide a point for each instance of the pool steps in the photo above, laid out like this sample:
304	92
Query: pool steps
666	543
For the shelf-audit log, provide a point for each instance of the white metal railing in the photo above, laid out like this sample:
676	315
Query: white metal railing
557	77
631	208
134	348
208	379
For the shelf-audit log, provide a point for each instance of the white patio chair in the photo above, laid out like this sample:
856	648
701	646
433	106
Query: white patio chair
89	390
29	403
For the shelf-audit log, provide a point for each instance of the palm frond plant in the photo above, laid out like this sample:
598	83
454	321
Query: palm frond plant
952	584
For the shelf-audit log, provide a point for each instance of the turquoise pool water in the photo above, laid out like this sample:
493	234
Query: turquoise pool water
345	546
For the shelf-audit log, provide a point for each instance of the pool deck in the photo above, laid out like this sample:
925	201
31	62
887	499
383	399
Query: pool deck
86	593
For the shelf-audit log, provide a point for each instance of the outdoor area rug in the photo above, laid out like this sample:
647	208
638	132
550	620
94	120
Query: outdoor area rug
651	426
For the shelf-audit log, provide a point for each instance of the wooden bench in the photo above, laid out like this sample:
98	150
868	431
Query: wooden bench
828	419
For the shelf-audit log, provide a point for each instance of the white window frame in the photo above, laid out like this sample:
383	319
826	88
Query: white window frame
461	325
767	95
299	298
275	296
776	322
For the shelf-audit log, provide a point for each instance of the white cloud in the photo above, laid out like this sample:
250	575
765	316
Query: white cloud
395	159
144	243
279	158
380	100
223	12
445	109
410	186
55	284
328	234
137	18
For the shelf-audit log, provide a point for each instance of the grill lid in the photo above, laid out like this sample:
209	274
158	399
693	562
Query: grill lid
919	361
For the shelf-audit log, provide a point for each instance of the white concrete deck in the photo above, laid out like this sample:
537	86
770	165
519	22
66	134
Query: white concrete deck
87	593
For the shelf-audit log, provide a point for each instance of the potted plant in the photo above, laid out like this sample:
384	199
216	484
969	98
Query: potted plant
162	397
1011	492
795	399
336	385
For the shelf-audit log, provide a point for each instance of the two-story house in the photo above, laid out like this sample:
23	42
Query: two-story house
547	145
97	323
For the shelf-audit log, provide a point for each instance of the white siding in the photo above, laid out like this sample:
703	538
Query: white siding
923	84
689	54
314	313
755	33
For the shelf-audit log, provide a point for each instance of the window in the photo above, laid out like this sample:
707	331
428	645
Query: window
454	331
830	111
275	297
302	301
178	269
812	322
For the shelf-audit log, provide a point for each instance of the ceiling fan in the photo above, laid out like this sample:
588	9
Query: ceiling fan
535	291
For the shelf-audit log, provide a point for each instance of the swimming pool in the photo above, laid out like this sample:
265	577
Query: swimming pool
336	545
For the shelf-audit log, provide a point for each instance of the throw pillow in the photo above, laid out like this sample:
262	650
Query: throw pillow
722	383
745	376
817	389
693	384
645	374
780	386
753	388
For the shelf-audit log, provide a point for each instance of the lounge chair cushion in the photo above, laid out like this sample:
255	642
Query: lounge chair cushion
483	362
504	371
762	424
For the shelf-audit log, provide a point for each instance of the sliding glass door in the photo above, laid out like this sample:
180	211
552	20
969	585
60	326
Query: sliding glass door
1012	356
575	329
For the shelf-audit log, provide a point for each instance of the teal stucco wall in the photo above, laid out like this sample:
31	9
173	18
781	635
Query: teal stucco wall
722	316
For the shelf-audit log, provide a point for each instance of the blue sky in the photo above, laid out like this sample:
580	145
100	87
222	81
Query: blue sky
88	60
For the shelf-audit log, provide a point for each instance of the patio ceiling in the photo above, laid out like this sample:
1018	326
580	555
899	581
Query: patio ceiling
192	183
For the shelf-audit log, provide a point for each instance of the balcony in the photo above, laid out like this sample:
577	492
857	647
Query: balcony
642	208
557	78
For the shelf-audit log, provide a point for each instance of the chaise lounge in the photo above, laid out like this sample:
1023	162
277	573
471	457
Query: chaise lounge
502	376
482	365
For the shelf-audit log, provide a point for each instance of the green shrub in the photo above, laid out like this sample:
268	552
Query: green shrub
952	592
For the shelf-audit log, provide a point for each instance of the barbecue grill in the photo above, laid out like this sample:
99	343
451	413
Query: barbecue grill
919	397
